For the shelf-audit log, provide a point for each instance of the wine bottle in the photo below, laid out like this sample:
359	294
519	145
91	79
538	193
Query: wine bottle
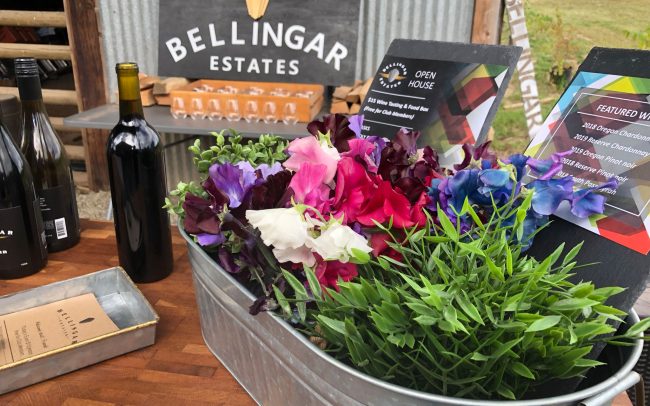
47	160
136	169
22	237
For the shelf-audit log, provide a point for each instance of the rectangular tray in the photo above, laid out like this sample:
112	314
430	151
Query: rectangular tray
306	108
120	299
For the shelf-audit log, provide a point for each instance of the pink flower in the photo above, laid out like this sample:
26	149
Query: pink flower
310	149
329	272
362	148
385	203
308	185
353	188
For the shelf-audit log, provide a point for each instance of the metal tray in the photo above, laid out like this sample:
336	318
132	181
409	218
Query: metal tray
278	366
120	299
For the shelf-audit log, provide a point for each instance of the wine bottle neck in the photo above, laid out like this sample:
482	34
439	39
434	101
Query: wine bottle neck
129	87
29	89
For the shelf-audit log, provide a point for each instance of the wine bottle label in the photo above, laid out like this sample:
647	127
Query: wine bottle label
58	213
14	249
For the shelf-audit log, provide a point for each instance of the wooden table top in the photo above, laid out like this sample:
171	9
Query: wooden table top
177	370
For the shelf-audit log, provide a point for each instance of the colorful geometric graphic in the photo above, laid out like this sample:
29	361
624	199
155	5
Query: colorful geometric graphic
605	120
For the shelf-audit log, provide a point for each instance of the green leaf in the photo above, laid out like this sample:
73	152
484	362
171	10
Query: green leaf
477	356
544	323
638	328
573	304
496	271
359	256
522	370
506	393
571	254
314	285
591	329
425	320
282	301
447	226
335	325
469	309
508	260
298	288
471	247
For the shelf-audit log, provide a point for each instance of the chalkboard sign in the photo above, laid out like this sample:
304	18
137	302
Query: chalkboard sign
447	91
603	117
306	41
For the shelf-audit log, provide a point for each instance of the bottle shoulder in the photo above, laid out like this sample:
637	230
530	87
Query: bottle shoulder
134	132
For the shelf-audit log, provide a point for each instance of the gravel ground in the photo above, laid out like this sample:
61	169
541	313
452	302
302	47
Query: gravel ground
93	205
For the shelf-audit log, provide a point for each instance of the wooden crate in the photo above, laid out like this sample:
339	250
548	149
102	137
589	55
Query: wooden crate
306	108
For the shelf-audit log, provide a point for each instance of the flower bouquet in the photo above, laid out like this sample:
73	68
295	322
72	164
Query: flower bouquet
409	272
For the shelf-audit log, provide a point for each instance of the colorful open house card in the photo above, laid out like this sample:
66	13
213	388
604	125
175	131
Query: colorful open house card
448	91
603	117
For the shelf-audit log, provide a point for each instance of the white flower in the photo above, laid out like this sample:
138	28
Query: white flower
282	228
300	255
331	151
337	242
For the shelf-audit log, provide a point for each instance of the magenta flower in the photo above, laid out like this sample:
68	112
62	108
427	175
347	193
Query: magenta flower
310	149
309	188
362	149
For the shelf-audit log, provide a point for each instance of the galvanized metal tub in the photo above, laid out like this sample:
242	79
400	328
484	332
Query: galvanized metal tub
119	298
279	366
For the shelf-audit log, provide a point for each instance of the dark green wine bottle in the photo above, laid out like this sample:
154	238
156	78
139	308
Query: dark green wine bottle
47	160
22	237
136	168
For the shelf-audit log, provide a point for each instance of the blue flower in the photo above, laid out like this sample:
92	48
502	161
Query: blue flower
519	162
434	193
548	194
462	185
547	168
233	180
585	202
496	183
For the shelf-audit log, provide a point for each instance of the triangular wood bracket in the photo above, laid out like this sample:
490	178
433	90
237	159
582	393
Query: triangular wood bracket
256	8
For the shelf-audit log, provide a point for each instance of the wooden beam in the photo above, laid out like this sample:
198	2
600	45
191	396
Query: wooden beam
38	51
75	152
88	69
19	18
57	123
488	18
50	96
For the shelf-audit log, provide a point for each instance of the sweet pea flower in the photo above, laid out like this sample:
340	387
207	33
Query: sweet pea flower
233	180
300	255
265	170
356	123
308	185
337	242
585	202
206	239
548	194
547	168
281	228
329	273
310	149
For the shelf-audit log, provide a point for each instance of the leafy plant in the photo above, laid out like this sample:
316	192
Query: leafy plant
560	71
463	314
267	150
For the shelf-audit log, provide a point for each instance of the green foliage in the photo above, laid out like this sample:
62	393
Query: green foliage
463	314
268	149
642	38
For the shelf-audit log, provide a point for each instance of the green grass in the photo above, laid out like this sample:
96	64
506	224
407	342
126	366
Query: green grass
584	24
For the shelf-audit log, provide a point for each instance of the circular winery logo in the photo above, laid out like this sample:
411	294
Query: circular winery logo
392	75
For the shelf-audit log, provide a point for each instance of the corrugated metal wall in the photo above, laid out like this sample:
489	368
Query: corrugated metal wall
130	30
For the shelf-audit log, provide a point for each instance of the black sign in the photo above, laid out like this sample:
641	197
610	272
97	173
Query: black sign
604	118
308	41
448	91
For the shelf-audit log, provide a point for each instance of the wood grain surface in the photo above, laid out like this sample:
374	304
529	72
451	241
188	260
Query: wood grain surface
177	370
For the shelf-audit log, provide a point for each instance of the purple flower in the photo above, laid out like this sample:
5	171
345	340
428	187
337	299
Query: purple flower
461	186
233	180
356	123
519	162
495	183
380	143
548	194
435	193
265	170
206	239
547	168
585	202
